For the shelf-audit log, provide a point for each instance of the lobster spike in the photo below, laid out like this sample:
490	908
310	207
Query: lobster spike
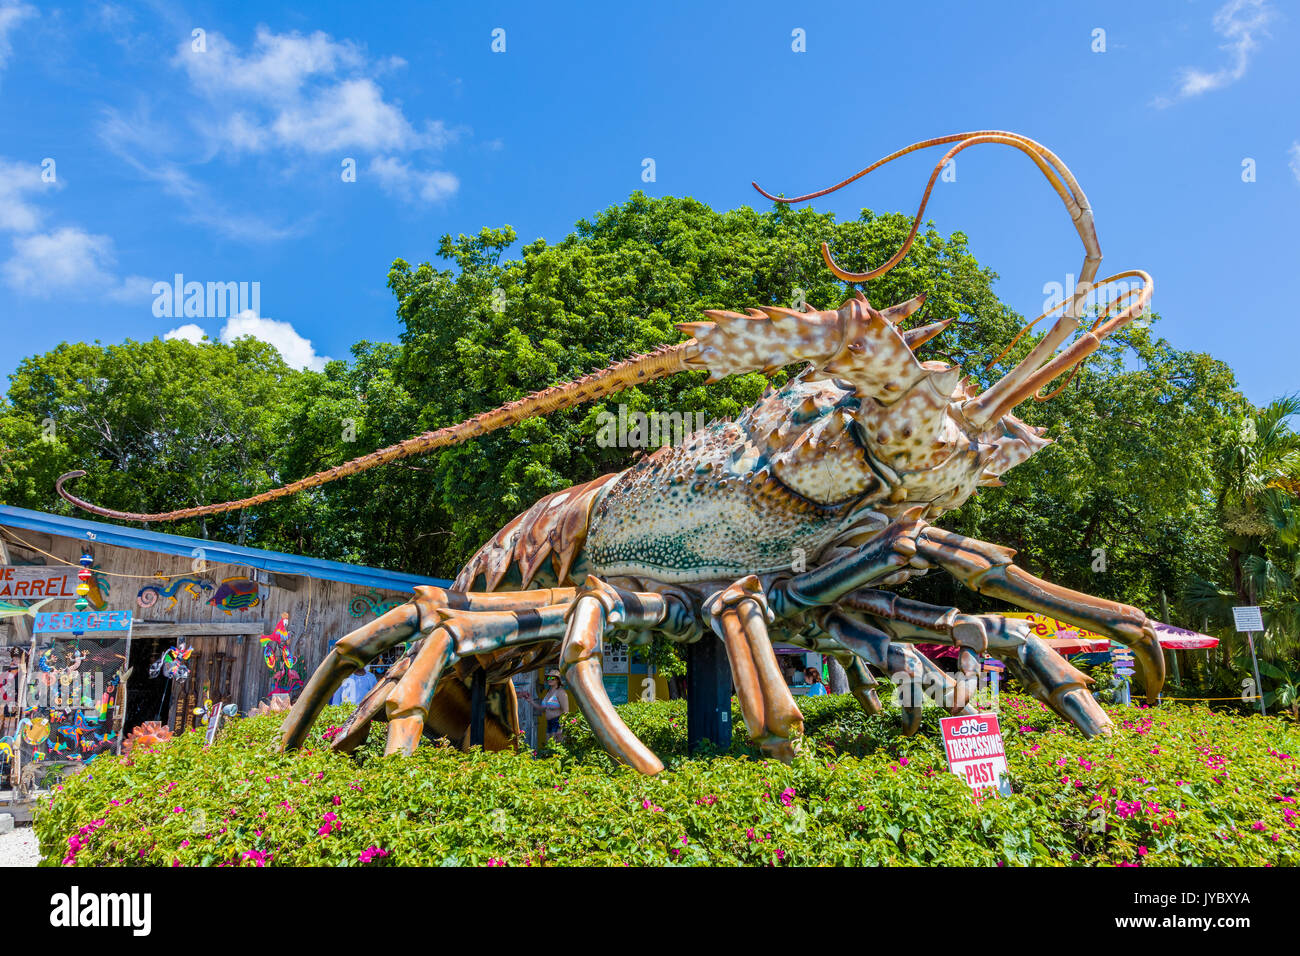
1018	443
896	313
693	329
945	380
780	312
918	336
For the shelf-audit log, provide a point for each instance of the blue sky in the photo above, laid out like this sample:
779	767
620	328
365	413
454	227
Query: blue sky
225	163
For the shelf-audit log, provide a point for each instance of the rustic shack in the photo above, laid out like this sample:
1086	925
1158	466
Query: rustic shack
218	599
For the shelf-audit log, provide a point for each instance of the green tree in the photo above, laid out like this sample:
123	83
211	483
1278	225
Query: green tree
158	425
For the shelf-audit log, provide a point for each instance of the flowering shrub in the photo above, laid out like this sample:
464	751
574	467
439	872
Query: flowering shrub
1173	786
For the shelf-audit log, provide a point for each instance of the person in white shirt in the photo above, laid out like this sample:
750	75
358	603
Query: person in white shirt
355	688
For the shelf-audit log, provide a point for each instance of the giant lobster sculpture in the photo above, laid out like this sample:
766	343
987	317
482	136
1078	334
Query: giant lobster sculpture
848	464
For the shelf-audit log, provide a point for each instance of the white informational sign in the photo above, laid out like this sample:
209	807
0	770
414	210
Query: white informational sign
1248	619
975	752
615	658
214	722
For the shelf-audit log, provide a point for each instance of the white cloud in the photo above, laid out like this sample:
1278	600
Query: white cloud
1242	23
279	66
351	113
70	262
296	350
1294	152
307	95
189	332
311	93
17	180
11	14
397	178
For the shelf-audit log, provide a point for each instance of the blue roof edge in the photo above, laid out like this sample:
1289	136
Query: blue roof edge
214	551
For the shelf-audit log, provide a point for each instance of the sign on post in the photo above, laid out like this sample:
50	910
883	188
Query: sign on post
1248	619
214	722
1249	622
975	752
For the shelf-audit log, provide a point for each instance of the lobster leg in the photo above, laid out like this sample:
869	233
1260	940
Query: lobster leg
597	607
350	654
739	615
369	707
1044	674
915	621
988	569
463	634
911	672
419	615
882	559
862	685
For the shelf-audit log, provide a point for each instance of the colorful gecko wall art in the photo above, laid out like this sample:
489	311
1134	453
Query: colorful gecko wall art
150	593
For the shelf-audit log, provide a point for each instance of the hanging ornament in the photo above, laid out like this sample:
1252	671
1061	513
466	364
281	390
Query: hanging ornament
84	578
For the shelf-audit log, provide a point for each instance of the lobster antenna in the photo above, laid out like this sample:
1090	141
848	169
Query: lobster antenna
662	362
1048	163
1031	374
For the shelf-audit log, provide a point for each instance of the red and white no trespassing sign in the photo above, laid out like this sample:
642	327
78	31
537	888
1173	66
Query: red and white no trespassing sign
975	752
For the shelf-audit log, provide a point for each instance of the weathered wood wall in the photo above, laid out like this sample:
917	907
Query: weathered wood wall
318	609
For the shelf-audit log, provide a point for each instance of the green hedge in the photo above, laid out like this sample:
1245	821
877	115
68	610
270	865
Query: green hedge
1173	786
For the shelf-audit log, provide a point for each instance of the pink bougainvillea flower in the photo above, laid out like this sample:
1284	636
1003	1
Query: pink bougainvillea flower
787	796
371	852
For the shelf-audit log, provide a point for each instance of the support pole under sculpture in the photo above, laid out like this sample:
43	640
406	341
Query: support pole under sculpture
708	694
478	708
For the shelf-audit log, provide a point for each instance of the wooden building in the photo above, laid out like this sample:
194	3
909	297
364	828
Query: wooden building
218	598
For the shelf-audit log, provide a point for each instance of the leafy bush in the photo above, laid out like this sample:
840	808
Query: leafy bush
1173	786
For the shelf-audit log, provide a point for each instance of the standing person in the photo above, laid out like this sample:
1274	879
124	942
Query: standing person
815	686
355	688
554	702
